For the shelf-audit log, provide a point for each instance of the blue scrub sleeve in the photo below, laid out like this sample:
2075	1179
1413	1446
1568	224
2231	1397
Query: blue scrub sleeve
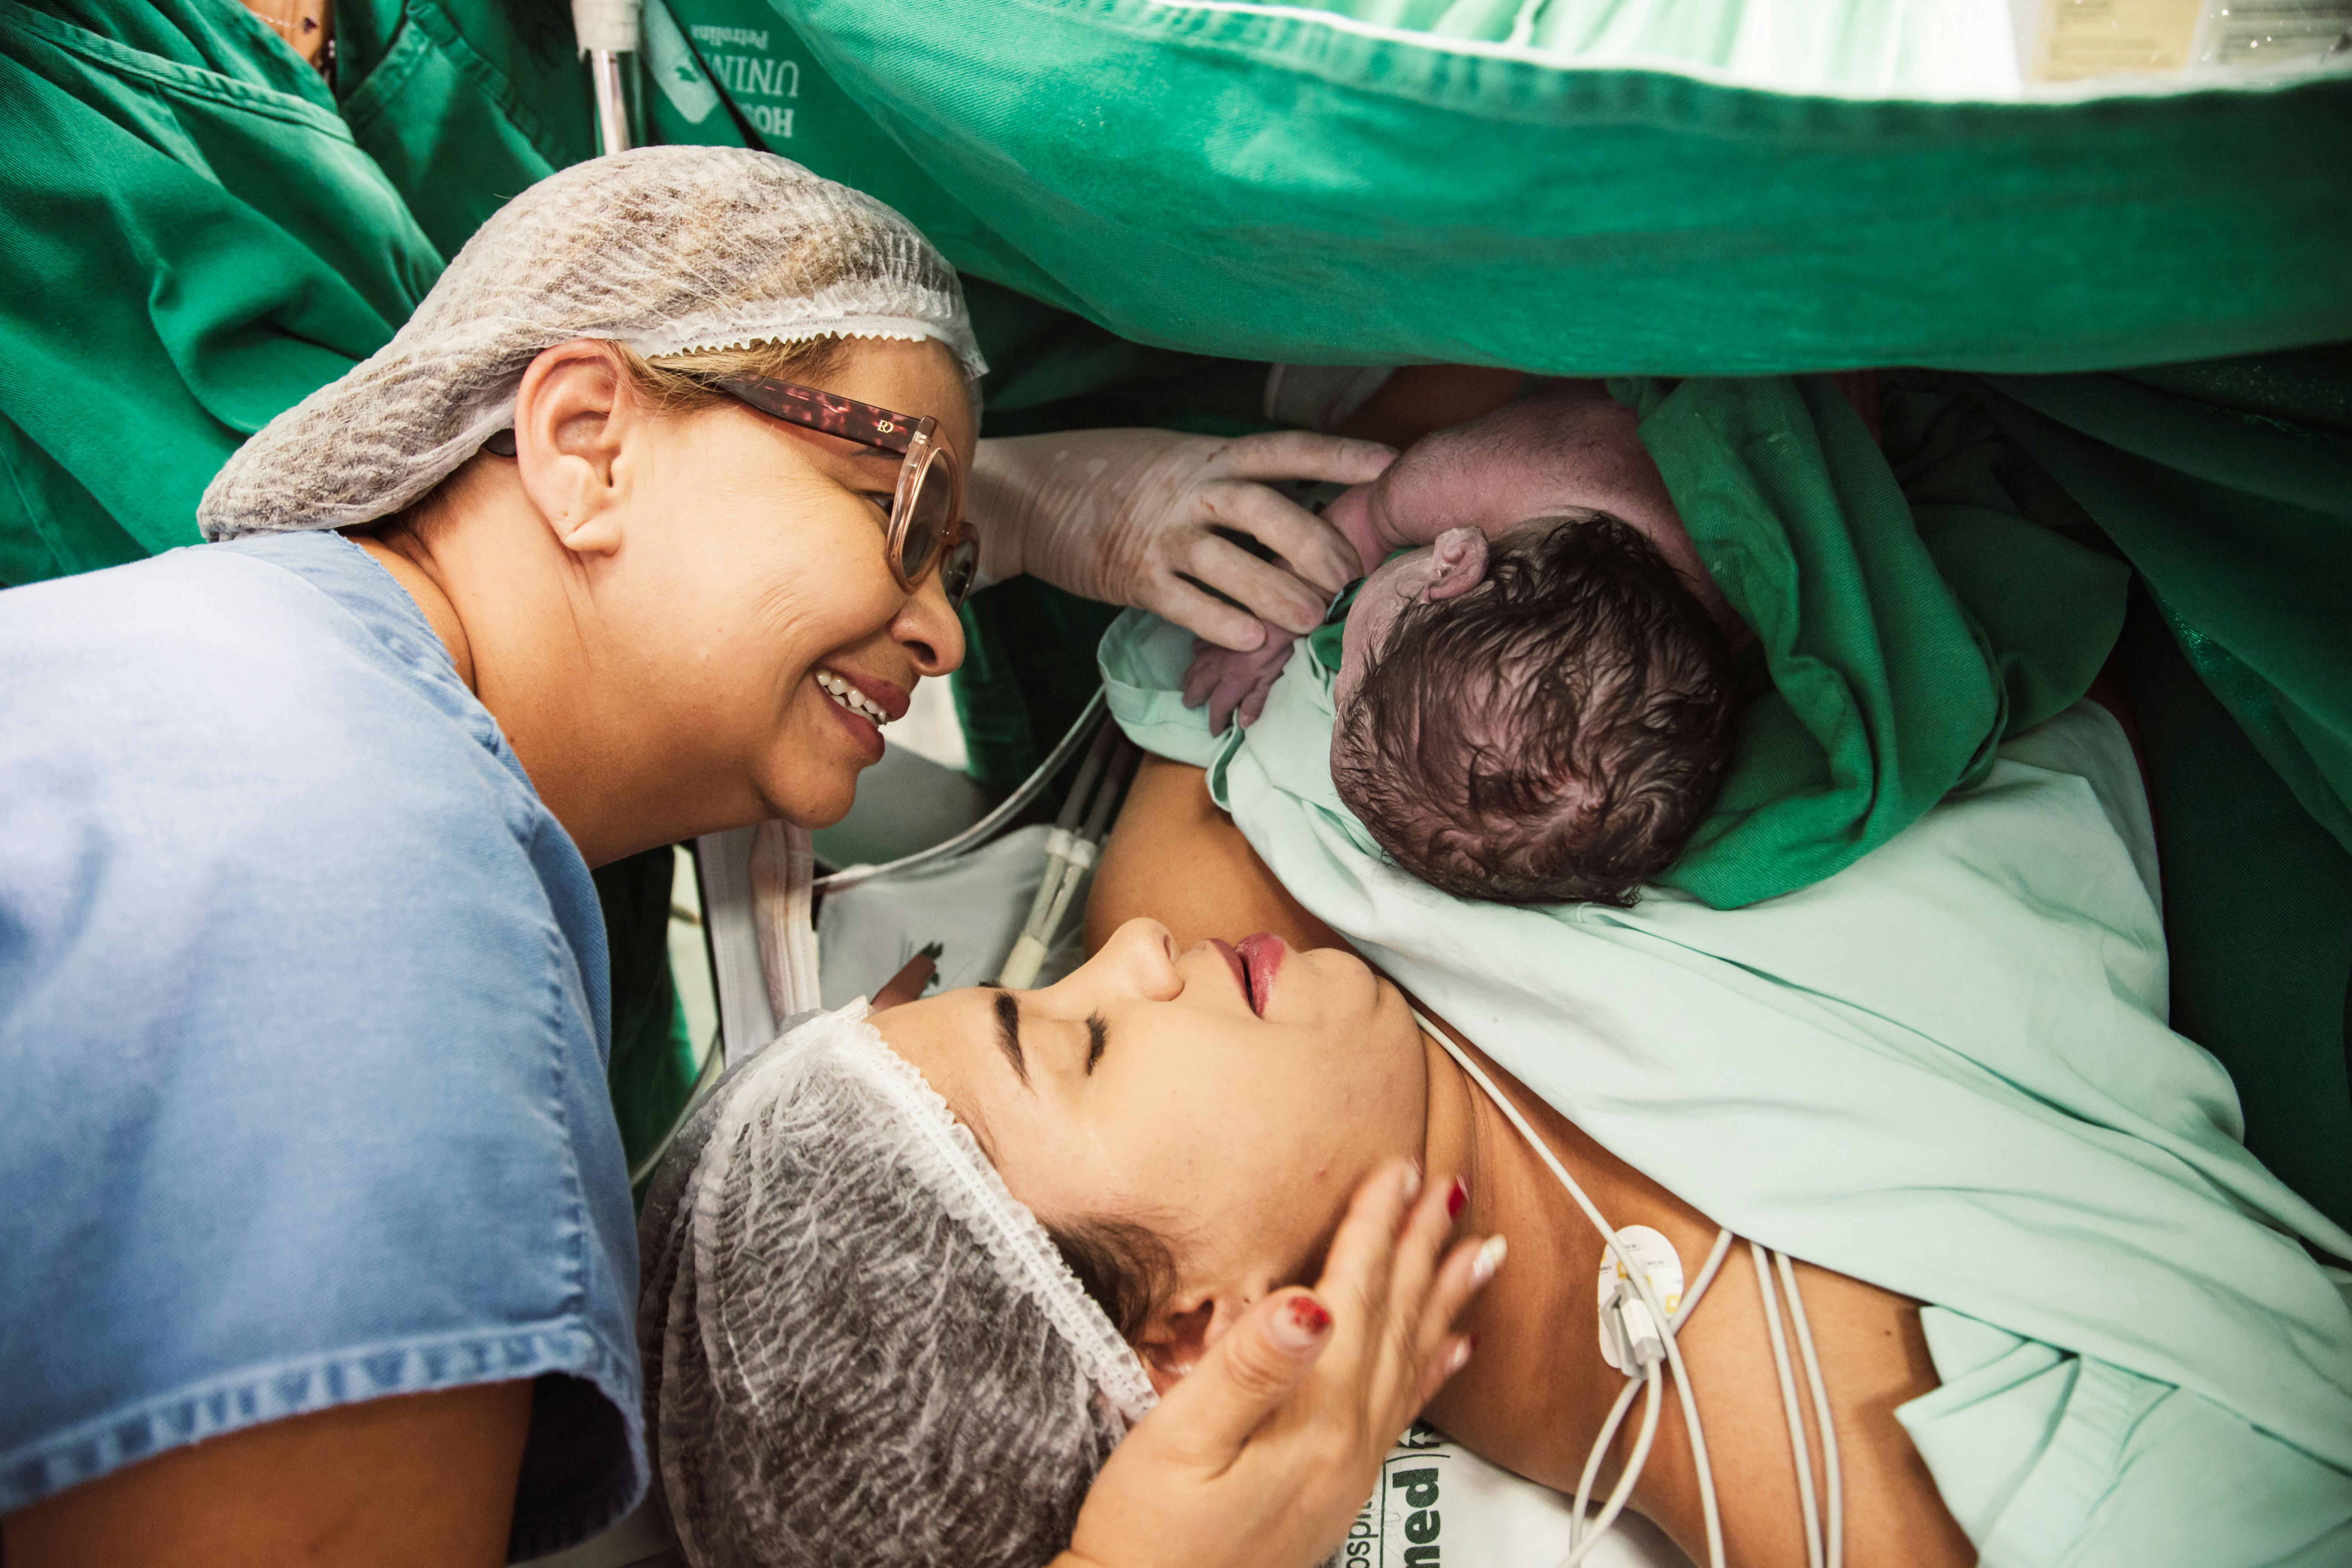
302	1021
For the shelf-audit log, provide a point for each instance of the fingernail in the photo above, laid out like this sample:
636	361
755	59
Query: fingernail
1461	1356
1456	1198
1490	1257
1413	1180
1302	1322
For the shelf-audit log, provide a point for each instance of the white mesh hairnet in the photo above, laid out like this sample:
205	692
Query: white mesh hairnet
667	250
859	1346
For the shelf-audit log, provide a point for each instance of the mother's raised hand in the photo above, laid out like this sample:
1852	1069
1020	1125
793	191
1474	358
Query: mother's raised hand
1143	517
1264	1454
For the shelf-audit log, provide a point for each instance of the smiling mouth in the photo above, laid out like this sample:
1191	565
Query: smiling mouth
847	695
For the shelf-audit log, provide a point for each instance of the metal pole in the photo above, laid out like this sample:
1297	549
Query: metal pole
612	99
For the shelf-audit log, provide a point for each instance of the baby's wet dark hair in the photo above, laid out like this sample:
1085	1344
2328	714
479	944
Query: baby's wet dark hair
1555	734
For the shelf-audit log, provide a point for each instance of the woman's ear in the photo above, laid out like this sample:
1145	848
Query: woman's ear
1184	1330
1179	1337
575	413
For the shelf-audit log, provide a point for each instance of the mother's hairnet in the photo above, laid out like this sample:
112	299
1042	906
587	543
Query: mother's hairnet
665	249
859	1346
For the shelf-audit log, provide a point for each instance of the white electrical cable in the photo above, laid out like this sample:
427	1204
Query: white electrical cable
1623	1492
1601	1444
1836	1501
1721	1250
1601	1449
980	832
1638	1276
1789	1403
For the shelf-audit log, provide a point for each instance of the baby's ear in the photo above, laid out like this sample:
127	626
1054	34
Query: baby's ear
1457	564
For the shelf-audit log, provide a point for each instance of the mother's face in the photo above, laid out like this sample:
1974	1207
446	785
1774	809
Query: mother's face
1229	1099
756	578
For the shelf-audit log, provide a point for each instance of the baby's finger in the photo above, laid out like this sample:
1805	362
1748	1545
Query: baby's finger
1253	703
1222	702
1201	677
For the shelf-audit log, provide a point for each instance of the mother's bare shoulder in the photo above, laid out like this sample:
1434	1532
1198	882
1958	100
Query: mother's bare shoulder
1177	858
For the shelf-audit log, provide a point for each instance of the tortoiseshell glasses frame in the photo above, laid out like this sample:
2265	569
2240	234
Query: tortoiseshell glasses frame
928	528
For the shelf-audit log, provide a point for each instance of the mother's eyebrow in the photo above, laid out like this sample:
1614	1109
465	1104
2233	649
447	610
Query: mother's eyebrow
1008	1034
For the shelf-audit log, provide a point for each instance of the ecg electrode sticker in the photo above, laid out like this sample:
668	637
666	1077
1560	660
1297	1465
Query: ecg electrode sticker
1656	1257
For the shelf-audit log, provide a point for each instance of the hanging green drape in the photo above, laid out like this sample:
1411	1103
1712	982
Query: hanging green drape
192	242
1356	182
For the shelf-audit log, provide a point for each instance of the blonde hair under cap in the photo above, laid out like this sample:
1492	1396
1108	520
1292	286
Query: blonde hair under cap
667	250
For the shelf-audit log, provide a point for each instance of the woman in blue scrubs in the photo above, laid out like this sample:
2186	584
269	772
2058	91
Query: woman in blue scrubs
317	1244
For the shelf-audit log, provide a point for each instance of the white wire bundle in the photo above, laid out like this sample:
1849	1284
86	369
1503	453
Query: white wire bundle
1651	1356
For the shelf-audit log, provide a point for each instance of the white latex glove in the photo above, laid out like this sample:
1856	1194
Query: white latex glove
1125	516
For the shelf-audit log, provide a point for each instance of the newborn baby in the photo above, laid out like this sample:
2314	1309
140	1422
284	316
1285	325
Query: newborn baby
1533	695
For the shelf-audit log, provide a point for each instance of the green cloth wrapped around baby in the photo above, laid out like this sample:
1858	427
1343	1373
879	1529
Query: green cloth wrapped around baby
1914	608
1533	706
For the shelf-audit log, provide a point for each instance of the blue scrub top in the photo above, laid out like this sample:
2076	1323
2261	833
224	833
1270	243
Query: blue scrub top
303	1028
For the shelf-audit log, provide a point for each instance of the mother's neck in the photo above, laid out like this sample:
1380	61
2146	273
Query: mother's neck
1536	1391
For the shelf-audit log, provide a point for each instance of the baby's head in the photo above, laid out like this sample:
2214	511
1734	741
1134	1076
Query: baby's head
1540	720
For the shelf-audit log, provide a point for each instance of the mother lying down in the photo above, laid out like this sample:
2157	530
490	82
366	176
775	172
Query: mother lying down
1188	1125
860	1345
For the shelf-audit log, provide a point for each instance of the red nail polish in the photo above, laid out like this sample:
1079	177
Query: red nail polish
1308	1315
1456	1198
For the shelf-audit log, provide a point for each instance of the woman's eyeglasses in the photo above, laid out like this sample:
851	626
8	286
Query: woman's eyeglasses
928	528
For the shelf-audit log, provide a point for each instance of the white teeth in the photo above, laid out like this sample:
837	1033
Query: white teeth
849	696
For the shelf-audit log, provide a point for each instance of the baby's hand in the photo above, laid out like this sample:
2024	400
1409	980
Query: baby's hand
1235	683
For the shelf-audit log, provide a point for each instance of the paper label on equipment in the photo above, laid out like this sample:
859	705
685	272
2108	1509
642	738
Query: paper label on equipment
1437	1503
2079	40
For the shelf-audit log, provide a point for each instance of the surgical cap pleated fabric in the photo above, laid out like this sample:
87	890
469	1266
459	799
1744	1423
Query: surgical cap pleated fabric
666	250
859	1346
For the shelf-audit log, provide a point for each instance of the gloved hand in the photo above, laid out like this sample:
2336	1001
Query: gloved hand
1234	684
1128	516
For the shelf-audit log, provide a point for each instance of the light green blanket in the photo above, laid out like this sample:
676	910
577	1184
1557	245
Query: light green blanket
1944	1070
